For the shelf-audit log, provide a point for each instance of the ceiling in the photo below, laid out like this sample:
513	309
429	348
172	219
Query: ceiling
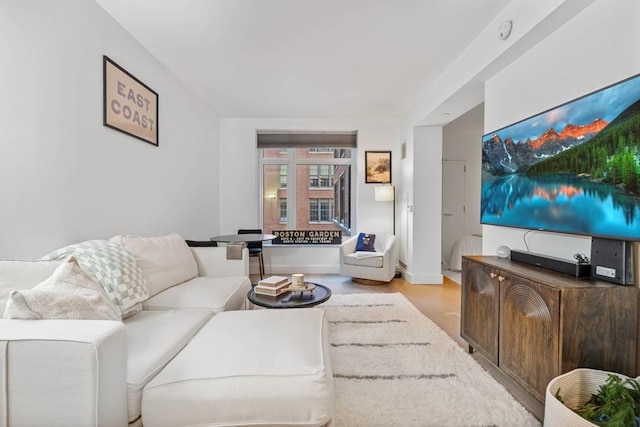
306	58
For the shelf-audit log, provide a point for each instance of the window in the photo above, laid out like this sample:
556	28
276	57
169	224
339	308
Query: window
320	210
283	211
307	186
283	177
320	176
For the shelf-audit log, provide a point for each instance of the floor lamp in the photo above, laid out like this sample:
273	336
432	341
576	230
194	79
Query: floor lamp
387	193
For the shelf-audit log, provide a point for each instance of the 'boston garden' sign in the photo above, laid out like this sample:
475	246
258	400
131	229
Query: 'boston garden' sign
307	237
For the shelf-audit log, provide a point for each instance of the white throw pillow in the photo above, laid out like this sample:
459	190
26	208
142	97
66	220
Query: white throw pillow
113	267
165	261
19	275
68	294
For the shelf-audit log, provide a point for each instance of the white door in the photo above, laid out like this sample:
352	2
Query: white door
453	177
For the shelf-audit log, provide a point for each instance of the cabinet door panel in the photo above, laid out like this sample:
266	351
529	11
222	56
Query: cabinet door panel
479	321
529	331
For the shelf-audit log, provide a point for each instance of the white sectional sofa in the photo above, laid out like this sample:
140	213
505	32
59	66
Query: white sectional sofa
181	350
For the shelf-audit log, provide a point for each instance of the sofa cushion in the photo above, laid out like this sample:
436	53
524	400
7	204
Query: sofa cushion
365	259
153	339
19	275
113	267
70	293
248	368
165	261
214	293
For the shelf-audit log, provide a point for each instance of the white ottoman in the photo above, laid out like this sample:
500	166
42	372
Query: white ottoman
249	367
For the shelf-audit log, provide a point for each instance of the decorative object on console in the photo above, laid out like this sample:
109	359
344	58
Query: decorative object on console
503	251
377	166
130	106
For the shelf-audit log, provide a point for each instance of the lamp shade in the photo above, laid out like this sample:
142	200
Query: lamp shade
384	193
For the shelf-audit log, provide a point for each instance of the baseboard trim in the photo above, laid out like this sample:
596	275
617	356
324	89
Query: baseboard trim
423	279
290	269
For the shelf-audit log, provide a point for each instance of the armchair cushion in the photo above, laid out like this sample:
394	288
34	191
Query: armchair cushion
365	259
366	242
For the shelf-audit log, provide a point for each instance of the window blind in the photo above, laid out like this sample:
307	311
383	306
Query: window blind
300	139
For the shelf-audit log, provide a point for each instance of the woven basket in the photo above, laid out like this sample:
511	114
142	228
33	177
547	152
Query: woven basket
576	388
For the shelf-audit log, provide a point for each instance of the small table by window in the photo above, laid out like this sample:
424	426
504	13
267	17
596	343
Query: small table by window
242	238
292	299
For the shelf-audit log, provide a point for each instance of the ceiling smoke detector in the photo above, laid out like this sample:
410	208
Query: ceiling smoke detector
504	30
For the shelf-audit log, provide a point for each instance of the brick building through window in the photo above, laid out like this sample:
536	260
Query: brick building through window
317	195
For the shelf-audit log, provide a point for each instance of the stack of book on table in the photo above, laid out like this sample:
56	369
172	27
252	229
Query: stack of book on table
272	286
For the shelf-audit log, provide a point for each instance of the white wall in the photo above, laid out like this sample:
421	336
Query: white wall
600	46
240	192
426	215
64	177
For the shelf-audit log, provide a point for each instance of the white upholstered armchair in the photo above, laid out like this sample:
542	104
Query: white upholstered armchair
369	267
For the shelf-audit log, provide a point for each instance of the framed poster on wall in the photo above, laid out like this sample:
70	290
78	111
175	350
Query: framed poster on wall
130	106
377	166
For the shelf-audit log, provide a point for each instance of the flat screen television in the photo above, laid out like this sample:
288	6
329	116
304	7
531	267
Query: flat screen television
574	168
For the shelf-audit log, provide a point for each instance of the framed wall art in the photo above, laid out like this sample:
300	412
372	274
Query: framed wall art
377	166
130	106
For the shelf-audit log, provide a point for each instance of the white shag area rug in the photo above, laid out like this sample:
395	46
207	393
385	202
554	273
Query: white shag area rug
394	367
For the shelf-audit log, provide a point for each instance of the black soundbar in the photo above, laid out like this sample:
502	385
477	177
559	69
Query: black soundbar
578	269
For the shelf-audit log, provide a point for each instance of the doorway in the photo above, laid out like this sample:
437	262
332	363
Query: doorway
453	206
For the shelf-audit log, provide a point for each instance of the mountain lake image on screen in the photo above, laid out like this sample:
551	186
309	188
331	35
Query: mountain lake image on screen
572	169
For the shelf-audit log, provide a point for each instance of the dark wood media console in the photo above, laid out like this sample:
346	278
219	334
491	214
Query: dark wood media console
534	324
